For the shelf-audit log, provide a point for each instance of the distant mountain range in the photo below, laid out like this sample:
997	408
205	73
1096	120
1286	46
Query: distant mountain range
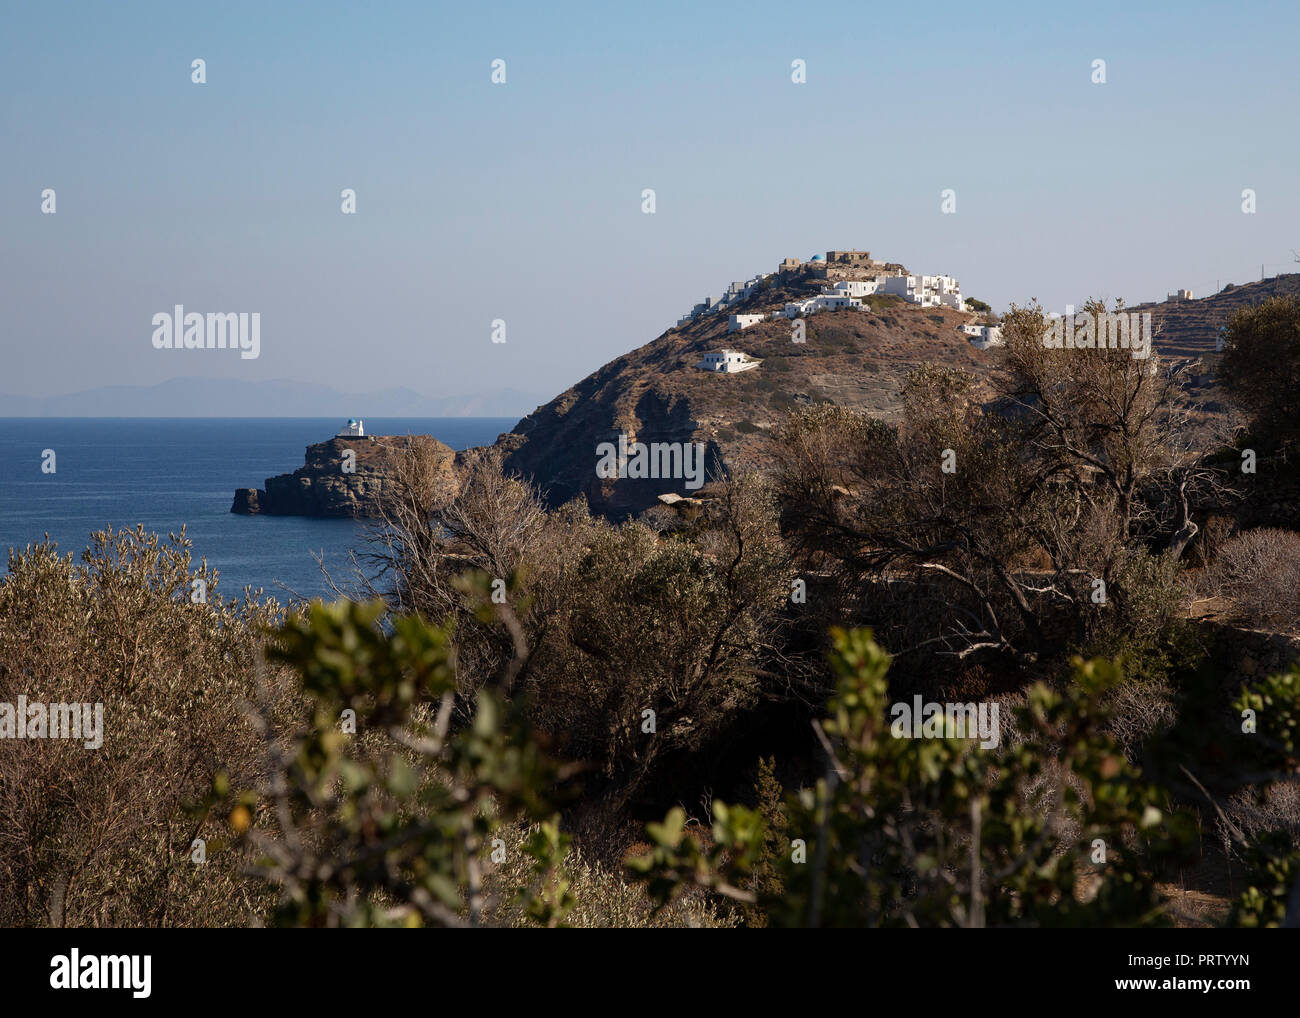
208	397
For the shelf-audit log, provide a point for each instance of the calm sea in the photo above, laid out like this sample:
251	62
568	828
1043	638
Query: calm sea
169	473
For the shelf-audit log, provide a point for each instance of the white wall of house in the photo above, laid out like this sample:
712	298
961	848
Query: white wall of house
737	322
902	286
838	302
927	291
853	287
800	307
983	336
727	361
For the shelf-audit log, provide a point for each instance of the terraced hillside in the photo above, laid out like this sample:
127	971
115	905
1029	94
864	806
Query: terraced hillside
1188	328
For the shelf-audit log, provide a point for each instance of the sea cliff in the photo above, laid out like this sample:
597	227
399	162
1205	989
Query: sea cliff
343	477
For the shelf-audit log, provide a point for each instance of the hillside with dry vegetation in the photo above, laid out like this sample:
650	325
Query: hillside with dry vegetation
854	358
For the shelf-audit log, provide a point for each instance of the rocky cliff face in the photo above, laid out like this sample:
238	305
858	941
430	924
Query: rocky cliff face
343	477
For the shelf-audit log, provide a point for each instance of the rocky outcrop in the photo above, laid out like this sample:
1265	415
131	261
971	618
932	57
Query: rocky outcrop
343	477
247	501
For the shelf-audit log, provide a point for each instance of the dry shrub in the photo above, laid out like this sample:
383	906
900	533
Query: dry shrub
1139	709
102	837
1257	810
1260	571
604	899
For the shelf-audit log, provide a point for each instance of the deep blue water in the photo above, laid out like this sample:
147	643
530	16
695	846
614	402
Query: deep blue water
169	473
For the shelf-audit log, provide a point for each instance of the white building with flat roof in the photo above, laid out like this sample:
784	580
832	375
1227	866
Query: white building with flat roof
836	302
927	291
983	336
852	288
726	361
738	322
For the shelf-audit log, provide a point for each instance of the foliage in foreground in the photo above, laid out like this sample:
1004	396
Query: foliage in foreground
394	799
378	813
1058	830
102	837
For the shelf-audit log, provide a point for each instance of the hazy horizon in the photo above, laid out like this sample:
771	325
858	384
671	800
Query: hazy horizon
195	396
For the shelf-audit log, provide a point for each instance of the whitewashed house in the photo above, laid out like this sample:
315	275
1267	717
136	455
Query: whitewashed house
947	289
983	336
728	361
738	322
852	288
927	291
838	302
907	287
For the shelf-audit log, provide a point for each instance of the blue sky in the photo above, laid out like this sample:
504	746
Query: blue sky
522	201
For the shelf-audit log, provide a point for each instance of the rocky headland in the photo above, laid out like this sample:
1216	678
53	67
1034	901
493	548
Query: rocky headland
342	477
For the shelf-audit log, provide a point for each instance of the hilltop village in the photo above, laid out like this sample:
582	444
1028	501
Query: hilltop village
847	278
